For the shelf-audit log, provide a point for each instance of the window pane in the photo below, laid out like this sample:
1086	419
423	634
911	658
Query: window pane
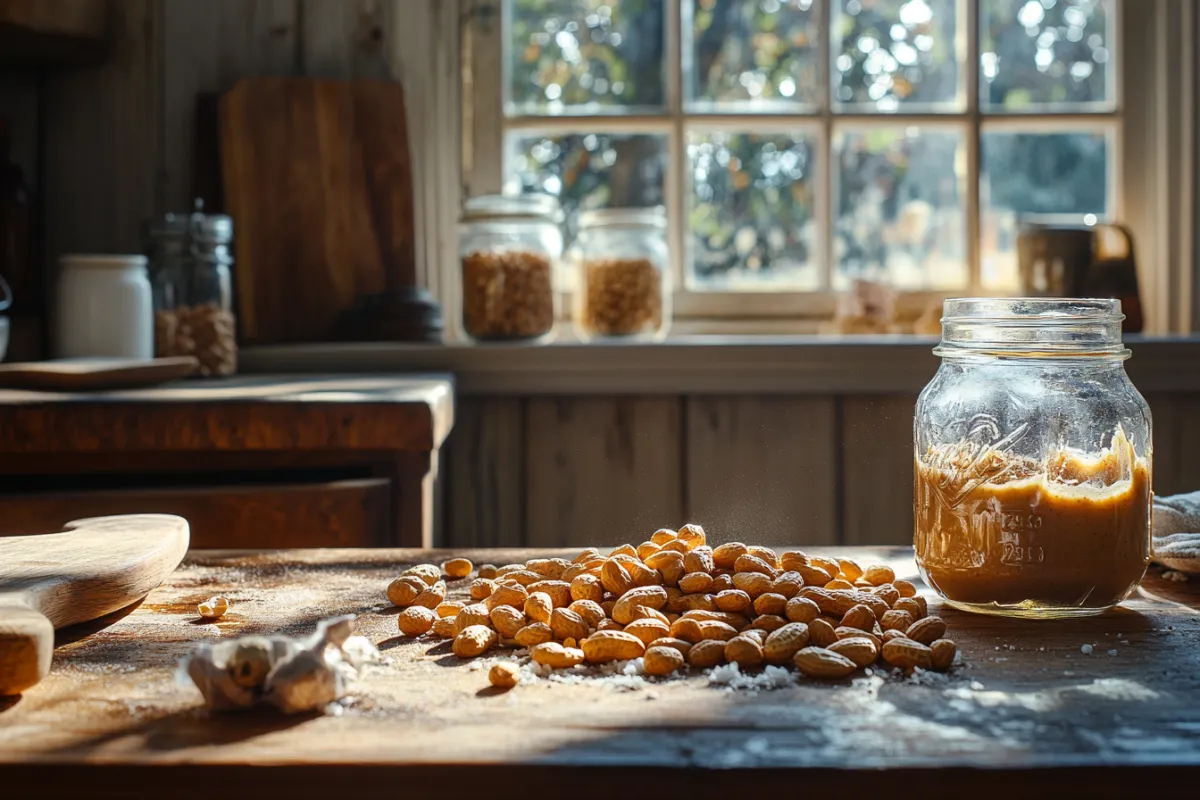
753	54
751	212
1035	176
575	56
899	207
896	55
588	170
1042	55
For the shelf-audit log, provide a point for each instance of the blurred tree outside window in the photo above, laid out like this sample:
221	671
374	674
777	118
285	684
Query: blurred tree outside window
809	142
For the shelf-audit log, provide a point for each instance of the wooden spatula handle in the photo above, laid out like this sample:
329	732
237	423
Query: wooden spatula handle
26	646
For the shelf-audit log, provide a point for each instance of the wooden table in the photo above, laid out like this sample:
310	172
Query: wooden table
1028	713
251	461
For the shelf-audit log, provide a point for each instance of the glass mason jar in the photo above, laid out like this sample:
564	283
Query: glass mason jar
190	259
510	248
624	285
1033	460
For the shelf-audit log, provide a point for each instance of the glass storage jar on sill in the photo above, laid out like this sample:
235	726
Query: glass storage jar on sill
624	287
1033	460
510	247
190	260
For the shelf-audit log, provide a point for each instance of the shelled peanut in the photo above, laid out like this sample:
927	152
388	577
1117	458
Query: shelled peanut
675	601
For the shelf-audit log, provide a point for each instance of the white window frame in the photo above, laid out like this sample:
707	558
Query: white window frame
1151	132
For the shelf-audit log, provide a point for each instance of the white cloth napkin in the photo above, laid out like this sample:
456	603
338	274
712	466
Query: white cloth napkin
1177	532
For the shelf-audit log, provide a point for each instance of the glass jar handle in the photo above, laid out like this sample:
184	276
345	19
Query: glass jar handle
6	297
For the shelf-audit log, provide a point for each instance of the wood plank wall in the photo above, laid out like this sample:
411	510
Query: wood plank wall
118	140
565	471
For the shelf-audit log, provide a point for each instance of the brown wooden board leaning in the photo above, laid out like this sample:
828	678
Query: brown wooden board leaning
318	180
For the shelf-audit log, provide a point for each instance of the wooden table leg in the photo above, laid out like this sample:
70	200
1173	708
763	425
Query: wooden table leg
414	476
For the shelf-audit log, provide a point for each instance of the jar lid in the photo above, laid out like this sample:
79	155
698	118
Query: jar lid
654	217
507	206
211	228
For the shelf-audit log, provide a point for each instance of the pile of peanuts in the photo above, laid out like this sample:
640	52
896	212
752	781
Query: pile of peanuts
675	601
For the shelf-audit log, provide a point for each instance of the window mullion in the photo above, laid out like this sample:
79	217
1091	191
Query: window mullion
676	178
973	185
824	207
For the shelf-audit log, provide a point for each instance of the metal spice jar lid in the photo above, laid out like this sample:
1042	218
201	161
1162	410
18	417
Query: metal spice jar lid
503	206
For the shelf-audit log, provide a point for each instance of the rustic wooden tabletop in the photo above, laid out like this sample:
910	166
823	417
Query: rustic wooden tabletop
1028	713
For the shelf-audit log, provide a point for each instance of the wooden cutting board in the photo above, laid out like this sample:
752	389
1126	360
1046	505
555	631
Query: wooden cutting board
95	374
318	180
95	567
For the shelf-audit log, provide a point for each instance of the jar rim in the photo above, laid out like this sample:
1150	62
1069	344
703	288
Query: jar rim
1031	328
1031	310
512	206
654	217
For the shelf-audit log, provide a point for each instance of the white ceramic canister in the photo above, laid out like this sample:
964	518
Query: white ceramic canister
104	307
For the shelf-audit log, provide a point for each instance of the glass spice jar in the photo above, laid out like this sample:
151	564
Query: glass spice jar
193	293
1033	456
624	274
510	247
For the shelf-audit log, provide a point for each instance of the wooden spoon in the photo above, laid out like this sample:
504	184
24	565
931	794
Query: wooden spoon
95	567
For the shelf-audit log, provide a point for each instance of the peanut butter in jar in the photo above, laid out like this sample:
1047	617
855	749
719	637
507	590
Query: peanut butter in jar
1003	531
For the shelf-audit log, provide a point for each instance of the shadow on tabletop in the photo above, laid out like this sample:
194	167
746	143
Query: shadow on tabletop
1156	588
193	727
74	633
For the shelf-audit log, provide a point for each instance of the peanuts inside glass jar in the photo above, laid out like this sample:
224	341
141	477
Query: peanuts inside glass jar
507	295
621	297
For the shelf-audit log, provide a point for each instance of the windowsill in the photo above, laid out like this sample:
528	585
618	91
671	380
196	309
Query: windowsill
692	365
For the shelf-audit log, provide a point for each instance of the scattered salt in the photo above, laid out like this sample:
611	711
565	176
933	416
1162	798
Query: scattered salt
732	678
924	677
1086	649
1175	575
623	675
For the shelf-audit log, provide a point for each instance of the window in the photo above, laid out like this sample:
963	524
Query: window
798	144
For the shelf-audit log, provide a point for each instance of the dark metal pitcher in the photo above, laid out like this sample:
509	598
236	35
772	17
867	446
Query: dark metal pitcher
1081	261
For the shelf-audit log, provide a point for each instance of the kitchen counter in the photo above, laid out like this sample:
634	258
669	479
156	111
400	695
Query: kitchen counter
250	461
1026	713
